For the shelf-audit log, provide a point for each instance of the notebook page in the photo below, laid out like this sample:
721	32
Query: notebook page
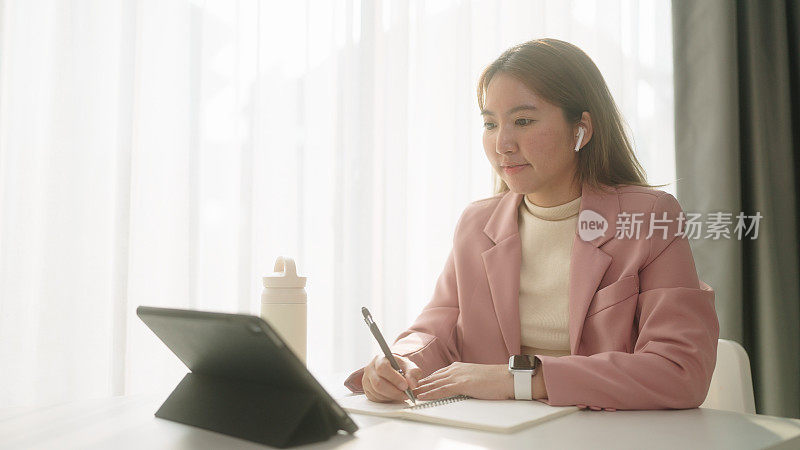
489	415
503	416
362	405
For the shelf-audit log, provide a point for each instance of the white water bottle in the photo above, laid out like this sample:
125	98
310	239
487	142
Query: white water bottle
283	305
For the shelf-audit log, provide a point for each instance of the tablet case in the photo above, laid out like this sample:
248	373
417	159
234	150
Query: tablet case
282	419
232	388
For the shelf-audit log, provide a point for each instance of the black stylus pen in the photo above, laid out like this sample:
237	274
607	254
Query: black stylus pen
379	337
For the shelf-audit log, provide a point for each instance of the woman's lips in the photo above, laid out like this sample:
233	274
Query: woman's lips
514	169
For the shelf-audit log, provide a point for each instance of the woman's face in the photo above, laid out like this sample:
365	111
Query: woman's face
522	129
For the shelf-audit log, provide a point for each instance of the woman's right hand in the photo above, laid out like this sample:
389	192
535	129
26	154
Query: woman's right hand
384	384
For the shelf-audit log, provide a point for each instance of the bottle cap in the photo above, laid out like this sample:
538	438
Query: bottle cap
285	275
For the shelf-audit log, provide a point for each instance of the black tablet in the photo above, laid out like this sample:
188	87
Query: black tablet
240	355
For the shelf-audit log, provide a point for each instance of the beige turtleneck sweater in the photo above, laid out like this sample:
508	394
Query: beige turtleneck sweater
547	235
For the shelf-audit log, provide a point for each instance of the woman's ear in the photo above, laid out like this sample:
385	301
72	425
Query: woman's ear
586	124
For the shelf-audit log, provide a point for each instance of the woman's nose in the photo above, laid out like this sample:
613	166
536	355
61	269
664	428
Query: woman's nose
505	142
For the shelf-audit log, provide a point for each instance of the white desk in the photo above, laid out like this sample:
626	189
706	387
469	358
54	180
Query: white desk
128	423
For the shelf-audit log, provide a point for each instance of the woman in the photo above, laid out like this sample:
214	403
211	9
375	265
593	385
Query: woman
553	266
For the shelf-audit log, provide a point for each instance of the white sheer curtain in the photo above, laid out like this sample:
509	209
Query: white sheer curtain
165	153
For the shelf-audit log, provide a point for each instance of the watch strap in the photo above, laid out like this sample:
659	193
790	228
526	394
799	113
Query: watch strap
522	384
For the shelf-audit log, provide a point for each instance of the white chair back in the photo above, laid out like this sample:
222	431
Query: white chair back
731	385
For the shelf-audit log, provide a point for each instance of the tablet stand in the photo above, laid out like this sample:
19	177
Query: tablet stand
257	412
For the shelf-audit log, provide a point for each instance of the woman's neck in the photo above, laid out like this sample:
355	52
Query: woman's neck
555	197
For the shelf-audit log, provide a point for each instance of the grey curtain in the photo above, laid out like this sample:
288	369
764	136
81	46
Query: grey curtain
737	126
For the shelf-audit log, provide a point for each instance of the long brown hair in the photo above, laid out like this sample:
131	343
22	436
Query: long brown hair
565	76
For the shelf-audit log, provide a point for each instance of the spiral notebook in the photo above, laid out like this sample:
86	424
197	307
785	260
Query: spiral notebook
500	416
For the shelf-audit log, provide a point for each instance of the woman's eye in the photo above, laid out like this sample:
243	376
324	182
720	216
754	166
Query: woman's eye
519	122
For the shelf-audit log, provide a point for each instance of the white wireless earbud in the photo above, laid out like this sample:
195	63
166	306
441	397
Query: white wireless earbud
580	139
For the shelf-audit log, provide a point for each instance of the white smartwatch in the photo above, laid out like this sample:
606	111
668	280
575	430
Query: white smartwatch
523	367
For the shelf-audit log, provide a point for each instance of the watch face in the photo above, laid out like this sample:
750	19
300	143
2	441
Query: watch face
522	362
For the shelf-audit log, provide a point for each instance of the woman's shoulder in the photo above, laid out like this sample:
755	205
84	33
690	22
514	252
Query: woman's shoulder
487	200
643	199
484	206
477	213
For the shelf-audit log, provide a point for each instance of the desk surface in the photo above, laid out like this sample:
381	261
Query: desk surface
129	423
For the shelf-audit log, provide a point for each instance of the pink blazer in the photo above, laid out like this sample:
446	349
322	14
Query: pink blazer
643	329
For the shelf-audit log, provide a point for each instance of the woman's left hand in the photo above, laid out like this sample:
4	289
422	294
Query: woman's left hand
481	381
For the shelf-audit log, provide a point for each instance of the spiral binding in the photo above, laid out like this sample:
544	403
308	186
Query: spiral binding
441	401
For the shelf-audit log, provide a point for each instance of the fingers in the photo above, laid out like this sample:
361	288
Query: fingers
436	380
366	383
447	390
378	393
437	374
431	385
380	382
385	390
371	394
411	379
413	374
386	371
439	384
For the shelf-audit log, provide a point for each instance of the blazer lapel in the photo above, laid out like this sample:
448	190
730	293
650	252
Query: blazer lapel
502	263
588	263
587	266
